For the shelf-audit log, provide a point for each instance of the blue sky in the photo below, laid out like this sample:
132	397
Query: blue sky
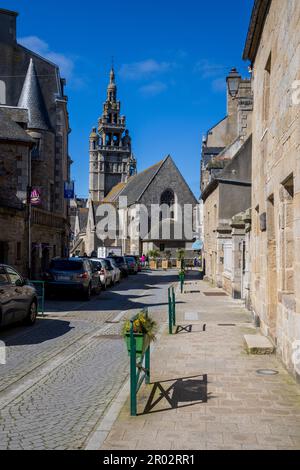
171	60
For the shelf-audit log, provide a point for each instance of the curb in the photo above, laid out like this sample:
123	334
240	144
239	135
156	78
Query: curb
98	437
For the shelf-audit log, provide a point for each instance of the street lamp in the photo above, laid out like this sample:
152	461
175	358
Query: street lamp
233	82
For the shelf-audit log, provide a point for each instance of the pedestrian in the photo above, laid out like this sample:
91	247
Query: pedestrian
143	260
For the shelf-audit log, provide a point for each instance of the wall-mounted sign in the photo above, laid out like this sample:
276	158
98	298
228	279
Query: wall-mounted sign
35	197
69	190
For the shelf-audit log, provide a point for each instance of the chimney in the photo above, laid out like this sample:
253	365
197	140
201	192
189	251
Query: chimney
8	26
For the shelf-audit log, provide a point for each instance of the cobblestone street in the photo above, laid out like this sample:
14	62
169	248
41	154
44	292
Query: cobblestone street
62	374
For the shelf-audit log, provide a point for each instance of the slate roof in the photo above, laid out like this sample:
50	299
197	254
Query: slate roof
114	193
137	184
32	99
10	130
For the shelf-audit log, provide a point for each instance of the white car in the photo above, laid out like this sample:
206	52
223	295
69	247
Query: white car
116	270
105	271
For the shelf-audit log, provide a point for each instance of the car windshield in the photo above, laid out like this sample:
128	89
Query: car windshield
66	265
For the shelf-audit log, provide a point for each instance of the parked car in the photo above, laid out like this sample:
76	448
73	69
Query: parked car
73	274
116	270
120	261
132	264
18	299
138	262
104	272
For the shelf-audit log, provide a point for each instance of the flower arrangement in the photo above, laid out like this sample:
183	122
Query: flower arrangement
142	325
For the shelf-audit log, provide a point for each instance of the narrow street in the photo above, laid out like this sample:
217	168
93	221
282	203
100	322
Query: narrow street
63	373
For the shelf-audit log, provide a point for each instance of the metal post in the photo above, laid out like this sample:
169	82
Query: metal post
174	306
170	312
147	365
133	407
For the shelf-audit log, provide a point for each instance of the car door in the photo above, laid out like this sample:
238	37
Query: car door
20	294
7	306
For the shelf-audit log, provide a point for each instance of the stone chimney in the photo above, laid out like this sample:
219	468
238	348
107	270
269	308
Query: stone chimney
8	26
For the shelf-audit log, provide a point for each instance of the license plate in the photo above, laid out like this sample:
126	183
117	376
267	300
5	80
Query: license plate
63	278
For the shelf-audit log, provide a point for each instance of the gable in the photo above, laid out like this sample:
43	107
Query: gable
168	177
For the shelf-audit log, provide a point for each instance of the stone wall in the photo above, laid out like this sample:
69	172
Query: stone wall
275	239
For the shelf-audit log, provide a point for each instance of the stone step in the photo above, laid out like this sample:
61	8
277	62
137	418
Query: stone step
258	344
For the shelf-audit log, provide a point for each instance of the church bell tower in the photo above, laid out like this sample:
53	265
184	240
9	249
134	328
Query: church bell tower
111	157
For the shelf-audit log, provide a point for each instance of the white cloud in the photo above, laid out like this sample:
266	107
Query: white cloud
209	69
153	89
37	45
144	69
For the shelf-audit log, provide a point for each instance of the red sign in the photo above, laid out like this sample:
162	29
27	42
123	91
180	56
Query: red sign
35	197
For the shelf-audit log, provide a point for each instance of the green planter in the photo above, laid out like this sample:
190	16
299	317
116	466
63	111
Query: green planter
141	343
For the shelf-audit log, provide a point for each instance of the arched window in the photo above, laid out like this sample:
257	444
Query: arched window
167	197
2	92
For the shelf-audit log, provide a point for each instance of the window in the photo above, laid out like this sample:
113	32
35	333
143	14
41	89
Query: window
167	197
162	247
13	275
266	95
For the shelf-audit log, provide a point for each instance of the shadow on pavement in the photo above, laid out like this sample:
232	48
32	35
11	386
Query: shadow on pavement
43	330
181	393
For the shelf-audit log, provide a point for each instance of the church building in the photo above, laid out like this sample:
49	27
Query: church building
114	178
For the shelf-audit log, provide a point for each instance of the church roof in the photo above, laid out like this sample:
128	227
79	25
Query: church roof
10	130
114	193
137	184
32	99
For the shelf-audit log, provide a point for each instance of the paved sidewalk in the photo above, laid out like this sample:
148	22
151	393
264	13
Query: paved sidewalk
216	400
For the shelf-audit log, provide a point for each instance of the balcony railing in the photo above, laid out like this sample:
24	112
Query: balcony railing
40	217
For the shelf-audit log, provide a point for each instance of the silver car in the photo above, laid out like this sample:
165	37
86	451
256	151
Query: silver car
116	270
18	299
104	270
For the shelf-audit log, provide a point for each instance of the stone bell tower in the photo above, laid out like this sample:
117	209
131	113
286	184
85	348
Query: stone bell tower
111	158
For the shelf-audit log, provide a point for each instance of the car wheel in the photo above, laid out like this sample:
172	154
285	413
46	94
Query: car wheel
31	315
88	292
98	289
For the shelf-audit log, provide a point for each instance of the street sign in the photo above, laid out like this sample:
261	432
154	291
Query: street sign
69	190
35	197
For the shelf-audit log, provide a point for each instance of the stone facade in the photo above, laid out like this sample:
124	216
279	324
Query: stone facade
226	187
273	47
42	96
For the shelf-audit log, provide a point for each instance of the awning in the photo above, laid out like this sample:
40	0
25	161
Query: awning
198	245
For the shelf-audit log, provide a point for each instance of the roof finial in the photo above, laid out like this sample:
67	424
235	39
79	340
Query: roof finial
112	71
